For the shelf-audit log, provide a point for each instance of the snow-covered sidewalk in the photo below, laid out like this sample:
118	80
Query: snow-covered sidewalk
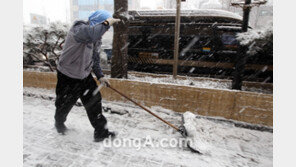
43	146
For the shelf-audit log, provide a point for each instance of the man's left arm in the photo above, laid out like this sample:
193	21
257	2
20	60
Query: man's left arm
96	60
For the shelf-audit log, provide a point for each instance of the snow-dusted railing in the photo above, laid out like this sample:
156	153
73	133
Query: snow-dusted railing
250	107
192	13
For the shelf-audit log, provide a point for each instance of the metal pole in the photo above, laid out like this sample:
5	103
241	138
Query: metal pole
246	16
241	56
176	43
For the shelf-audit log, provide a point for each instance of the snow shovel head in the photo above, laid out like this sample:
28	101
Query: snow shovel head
184	133
182	130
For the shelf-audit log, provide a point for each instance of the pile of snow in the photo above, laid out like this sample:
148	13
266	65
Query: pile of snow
210	138
197	133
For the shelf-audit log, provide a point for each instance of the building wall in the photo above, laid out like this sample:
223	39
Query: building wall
81	9
260	16
38	19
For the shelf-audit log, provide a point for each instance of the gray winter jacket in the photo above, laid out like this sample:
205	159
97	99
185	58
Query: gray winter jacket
81	52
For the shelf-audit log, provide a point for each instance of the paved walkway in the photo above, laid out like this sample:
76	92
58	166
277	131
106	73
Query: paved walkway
44	147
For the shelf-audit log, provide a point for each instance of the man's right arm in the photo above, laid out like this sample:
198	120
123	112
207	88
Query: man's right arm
89	34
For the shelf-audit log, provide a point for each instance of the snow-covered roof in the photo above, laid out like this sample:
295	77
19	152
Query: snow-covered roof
196	13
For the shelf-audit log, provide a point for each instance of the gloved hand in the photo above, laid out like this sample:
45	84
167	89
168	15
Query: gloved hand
112	21
104	81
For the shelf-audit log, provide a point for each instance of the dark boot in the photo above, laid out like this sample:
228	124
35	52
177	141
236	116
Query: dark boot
61	128
101	135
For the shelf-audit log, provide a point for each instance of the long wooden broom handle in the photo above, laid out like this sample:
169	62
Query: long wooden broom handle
144	108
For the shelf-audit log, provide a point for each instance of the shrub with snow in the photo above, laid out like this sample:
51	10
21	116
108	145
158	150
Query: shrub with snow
258	41
44	43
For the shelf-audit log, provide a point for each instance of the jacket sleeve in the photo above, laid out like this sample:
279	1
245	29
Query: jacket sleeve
89	34
96	60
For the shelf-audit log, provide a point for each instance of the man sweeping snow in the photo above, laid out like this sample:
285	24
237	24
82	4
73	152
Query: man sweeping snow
80	56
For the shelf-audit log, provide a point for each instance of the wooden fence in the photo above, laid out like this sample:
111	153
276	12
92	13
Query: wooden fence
250	107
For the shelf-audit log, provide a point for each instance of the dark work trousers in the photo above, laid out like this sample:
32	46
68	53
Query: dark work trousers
68	90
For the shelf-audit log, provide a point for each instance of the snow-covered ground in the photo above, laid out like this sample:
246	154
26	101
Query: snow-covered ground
198	82
225	145
189	81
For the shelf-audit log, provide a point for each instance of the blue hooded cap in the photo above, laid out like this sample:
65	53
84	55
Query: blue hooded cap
98	17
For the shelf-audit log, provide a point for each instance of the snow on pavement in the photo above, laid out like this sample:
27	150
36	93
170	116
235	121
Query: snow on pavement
43	146
243	147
